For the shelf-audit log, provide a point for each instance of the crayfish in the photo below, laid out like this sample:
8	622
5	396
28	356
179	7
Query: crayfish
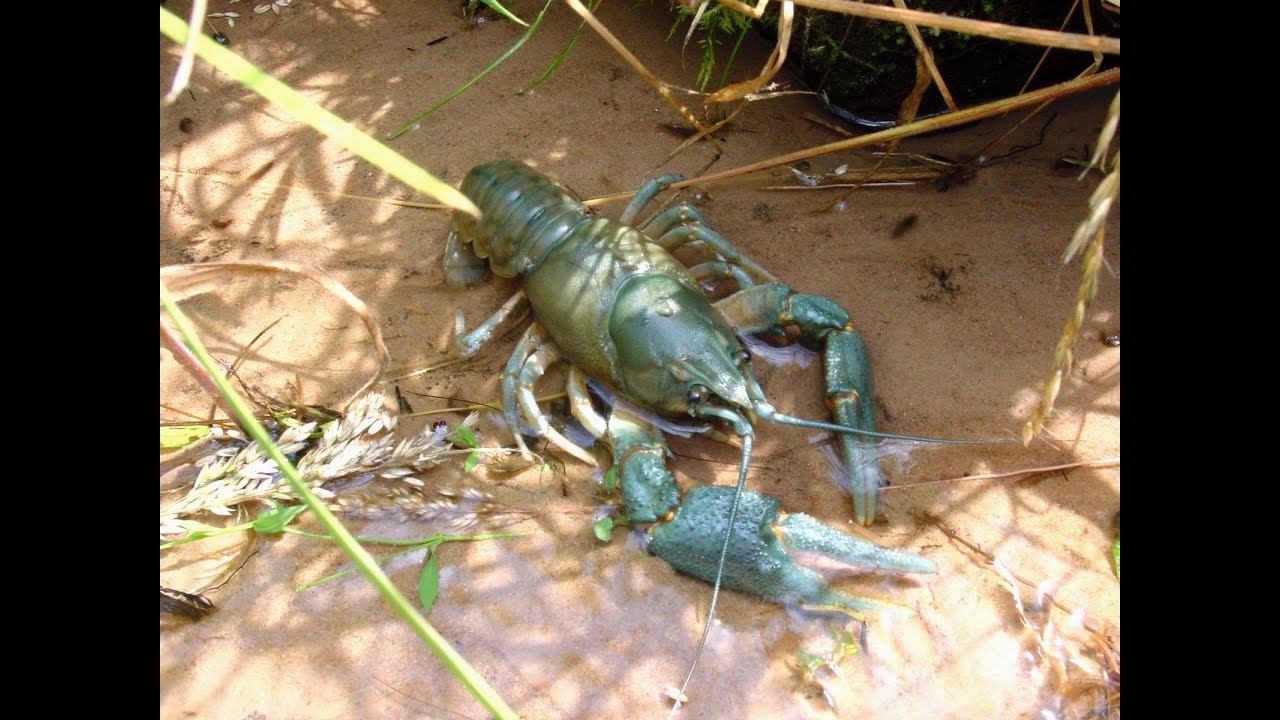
631	318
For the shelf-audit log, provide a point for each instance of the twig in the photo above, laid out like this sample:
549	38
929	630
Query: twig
474	406
906	115
188	361
639	67
940	122
927	56
1030	36
1044	56
1012	473
827	124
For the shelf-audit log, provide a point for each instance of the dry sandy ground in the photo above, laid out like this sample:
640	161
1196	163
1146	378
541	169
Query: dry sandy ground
961	314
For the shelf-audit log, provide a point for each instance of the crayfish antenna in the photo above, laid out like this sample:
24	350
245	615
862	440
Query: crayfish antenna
745	433
769	414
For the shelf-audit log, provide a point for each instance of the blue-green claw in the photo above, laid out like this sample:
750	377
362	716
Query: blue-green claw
763	549
849	392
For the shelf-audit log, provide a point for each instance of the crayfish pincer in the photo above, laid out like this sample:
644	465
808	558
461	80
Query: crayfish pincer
626	315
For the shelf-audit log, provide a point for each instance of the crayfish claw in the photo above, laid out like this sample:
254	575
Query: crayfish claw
765	550
803	533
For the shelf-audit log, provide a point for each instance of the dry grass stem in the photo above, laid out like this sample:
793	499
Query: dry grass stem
1000	31
906	114
1088	24
746	90
1045	55
777	58
984	154
639	67
242	185
827	124
1090	231
992	561
1011	473
188	61
185	281
959	117
755	13
1068	660
480	406
838	186
423	371
361	444
188	361
927	56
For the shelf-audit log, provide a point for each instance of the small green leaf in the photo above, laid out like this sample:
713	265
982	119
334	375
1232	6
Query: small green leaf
429	583
464	437
472	460
276	518
611	480
1115	556
176	436
604	529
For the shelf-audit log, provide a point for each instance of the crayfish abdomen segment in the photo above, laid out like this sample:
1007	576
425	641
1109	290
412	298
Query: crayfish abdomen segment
524	215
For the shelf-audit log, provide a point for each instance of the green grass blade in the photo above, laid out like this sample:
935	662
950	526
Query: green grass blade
504	12
453	661
414	546
317	117
493	66
563	53
347	571
414	542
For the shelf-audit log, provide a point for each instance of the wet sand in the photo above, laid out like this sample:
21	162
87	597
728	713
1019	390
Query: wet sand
961	313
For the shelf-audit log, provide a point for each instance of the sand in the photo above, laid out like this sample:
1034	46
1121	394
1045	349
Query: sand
961	313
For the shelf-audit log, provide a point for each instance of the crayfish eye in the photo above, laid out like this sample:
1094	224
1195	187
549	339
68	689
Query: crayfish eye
742	357
698	393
